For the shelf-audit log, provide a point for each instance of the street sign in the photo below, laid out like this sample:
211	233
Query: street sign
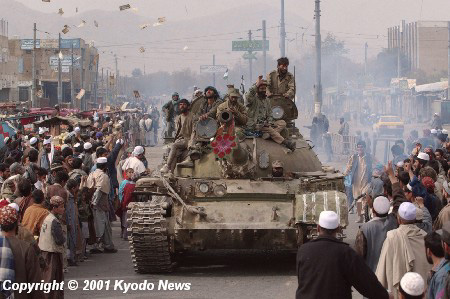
248	45
249	56
27	44
213	68
66	61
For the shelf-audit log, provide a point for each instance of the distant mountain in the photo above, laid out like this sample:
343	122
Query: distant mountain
119	33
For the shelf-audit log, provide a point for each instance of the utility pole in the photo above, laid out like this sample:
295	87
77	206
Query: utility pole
400	40
318	85
214	74
96	83
365	60
72	90
82	77
59	71
448	64
250	58
116	81
33	70
282	32
107	89
264	46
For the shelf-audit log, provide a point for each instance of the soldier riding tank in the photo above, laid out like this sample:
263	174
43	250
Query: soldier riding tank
234	203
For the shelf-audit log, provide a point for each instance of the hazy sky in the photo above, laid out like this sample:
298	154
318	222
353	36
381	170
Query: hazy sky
354	21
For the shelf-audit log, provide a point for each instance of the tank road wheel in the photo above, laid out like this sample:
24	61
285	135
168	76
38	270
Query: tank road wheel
147	231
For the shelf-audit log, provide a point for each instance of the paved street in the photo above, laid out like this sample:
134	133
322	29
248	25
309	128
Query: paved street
212	274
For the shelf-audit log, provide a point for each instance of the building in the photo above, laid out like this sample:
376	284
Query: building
78	68
423	43
9	80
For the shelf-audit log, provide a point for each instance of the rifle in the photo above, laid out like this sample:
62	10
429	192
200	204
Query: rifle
355	200
295	86
242	87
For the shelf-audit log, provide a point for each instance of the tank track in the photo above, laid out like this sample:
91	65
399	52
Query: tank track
147	234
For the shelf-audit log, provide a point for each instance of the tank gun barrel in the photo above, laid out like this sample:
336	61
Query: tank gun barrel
225	117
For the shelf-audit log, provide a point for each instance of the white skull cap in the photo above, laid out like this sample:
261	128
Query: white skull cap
412	283
423	156
138	150
407	211
328	220
102	160
381	205
47	141
87	145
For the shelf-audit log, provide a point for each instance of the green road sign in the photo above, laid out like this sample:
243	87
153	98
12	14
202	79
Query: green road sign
248	45
249	56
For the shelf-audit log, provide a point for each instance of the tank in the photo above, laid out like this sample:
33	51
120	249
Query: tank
235	203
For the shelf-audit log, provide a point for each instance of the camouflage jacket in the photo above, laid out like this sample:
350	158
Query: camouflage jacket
280	86
211	111
171	110
259	110
240	116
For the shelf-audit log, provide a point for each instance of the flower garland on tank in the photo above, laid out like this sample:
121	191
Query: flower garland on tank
225	142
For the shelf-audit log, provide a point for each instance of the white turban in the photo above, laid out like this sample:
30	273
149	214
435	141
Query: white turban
47	141
138	150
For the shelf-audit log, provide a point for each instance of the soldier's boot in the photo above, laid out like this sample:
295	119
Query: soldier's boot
187	163
165	169
289	144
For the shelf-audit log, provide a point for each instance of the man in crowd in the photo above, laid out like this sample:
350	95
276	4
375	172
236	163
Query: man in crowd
441	266
19	259
184	126
99	182
260	118
280	82
360	168
135	161
371	235
407	241
170	110
51	242
344	130
232	105
329	268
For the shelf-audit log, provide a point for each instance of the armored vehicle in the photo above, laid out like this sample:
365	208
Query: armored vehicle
234	202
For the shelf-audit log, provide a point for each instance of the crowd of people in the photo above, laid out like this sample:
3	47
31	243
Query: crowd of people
402	248
58	200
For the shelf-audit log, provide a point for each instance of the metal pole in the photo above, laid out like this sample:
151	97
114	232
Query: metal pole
282	32
250	59
107	88
116	81
365	60
398	52
214	74
318	86
96	83
448	63
264	46
59	72
72	90
33	70
82	76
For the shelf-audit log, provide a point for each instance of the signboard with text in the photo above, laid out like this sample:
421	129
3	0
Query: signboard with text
213	68
66	61
248	45
27	44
